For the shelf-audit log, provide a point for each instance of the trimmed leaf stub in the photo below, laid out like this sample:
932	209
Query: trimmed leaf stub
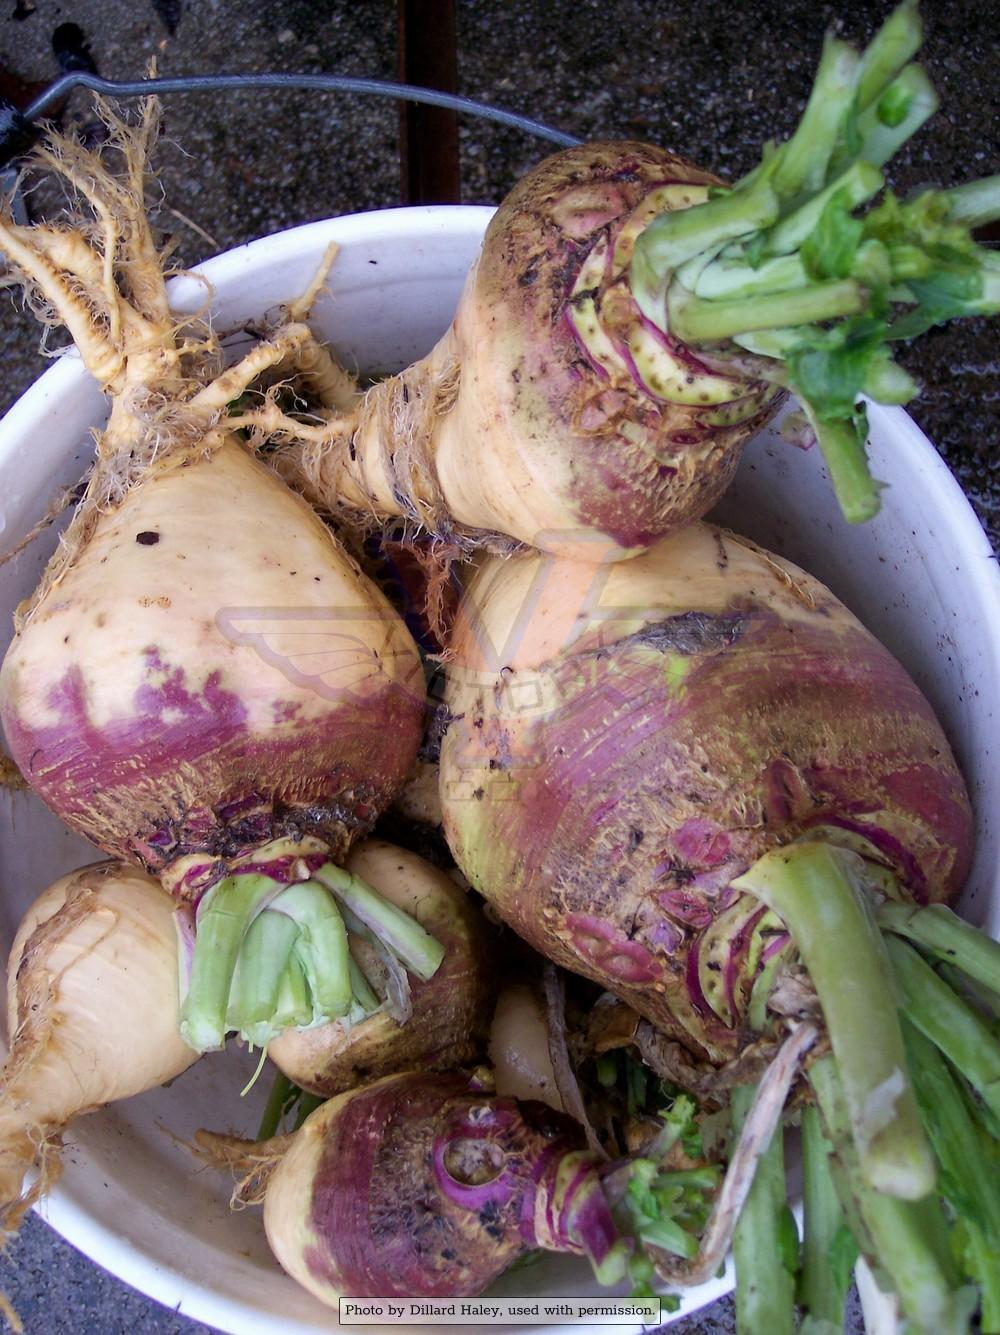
629	349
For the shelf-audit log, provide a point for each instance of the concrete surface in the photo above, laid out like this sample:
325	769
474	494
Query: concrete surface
711	81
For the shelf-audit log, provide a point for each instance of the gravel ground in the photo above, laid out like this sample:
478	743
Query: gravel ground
245	165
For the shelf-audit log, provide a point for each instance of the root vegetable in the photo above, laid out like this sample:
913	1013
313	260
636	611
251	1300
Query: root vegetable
447	1018
204	683
519	1046
429	1186
508	427
92	1013
631	323
432	1186
655	727
692	767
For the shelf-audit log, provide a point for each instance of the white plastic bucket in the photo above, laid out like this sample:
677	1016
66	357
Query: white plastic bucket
921	576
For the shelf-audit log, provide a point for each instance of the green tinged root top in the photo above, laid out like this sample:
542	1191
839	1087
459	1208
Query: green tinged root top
797	265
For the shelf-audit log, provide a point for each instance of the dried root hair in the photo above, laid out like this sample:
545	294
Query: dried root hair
251	1162
48	1169
101	275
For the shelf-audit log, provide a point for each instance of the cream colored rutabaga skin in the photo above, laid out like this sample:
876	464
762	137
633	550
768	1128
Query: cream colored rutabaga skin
92	1013
451	1012
549	412
625	741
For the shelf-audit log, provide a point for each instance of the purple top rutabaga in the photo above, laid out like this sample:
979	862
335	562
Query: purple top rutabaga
626	741
551	411
203	681
235	681
430	1186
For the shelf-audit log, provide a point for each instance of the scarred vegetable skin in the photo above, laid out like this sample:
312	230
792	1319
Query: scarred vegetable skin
511	424
229	683
657	726
425	1186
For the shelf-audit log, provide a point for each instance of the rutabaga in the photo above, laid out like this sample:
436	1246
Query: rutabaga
687	777
92	1013
632	322
433	1025
626	741
431	1186
204	683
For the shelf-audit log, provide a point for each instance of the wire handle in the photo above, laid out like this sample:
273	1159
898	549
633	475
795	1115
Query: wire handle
15	126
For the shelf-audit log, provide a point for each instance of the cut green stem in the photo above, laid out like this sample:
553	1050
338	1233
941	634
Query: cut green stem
942	932
975	203
846	459
697	321
729	279
404	936
974	1194
321	946
293	1009
944	1018
679	235
896	42
907	1240
828	1249
268	957
811	887
765	1285
784	250
859	183
971	1189
224	915
281	1094
776	343
263	958
981	998
804	158
883	134
980	1258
